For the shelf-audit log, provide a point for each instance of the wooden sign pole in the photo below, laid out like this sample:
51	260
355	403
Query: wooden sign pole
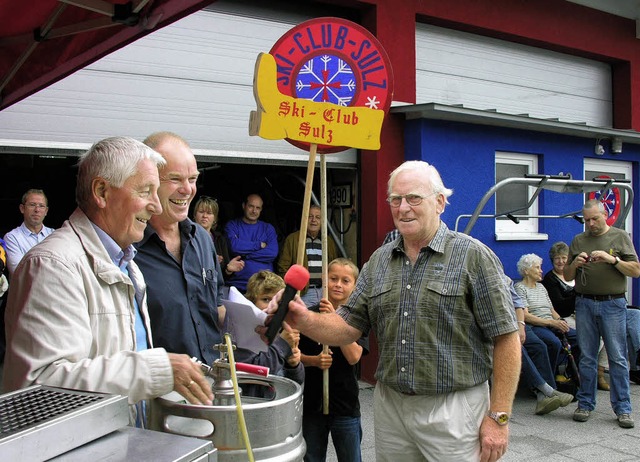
306	203
325	270
302	240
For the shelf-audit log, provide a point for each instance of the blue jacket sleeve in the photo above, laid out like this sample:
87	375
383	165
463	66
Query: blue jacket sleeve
295	373
274	358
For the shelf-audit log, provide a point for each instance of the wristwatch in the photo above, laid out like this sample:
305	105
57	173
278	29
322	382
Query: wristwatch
617	261
502	418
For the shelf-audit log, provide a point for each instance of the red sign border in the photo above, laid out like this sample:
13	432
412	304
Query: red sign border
361	30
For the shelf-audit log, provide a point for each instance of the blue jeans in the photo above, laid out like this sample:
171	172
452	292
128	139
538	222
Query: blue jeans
551	338
554	346
346	433
536	367
606	319
633	337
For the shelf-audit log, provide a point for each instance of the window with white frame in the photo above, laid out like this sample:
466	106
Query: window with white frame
513	198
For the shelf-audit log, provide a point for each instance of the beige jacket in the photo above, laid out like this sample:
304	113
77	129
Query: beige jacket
70	320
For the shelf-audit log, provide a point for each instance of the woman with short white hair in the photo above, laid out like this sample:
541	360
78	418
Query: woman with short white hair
540	314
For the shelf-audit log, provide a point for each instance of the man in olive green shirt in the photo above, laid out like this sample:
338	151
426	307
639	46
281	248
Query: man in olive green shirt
445	322
601	259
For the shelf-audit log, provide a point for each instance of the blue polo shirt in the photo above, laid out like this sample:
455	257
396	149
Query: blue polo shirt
183	298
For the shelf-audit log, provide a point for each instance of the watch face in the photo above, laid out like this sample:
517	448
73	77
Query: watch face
502	418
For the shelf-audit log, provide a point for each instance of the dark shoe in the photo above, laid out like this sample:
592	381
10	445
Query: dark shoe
581	415
625	421
548	404
565	398
634	376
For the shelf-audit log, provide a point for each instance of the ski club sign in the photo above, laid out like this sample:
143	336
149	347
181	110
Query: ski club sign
327	82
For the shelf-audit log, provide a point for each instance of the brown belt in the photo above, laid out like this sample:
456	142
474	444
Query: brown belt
602	298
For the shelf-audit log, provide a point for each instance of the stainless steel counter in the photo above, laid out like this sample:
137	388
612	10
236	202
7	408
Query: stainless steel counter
41	423
133	444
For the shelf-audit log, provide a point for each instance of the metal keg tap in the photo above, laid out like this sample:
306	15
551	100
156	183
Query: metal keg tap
222	386
220	372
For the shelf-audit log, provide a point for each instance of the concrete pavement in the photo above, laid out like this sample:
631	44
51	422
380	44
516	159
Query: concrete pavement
552	437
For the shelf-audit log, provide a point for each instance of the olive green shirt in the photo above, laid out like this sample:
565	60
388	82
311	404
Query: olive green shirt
601	278
434	321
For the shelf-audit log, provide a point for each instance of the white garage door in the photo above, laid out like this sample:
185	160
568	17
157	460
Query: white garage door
484	73
194	77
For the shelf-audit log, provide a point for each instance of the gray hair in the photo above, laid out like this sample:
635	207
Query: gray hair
594	203
527	261
423	167
114	159
558	248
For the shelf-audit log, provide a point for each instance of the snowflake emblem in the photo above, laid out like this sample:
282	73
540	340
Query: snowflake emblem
326	78
372	103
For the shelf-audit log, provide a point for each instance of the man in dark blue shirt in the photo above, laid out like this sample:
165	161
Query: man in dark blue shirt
178	260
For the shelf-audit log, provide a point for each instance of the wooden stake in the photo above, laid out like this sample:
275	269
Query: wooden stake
325	270
306	203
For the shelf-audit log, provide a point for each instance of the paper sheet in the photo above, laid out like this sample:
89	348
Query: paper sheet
241	319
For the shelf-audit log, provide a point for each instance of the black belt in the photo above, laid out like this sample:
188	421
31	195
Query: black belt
602	298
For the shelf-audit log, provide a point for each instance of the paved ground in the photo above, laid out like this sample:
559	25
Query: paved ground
553	437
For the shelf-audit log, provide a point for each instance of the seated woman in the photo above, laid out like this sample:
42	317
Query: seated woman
561	292
545	322
536	373
563	299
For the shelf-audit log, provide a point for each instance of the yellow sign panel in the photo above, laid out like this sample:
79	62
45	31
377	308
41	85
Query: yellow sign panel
280	116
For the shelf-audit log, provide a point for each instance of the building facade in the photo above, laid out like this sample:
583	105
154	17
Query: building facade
484	90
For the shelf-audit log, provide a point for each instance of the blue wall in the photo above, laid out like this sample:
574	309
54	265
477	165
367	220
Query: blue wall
464	154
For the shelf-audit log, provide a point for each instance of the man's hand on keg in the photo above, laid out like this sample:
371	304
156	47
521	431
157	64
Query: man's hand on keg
189	381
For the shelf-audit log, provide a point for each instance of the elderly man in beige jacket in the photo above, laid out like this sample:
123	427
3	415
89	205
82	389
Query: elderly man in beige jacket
77	312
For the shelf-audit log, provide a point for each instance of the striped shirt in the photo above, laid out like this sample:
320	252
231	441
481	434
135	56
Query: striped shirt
536	299
314	258
435	320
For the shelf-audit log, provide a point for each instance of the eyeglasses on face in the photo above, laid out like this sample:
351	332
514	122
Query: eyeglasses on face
33	205
395	200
